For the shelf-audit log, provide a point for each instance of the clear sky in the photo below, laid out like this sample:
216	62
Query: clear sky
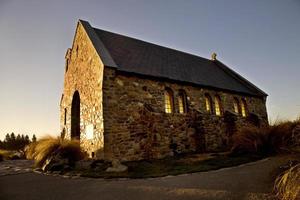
260	39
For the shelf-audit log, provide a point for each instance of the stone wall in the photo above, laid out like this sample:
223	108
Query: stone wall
137	127
83	73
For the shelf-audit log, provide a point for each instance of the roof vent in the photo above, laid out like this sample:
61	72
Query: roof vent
213	56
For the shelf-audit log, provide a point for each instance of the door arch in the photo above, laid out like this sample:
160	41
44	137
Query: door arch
75	116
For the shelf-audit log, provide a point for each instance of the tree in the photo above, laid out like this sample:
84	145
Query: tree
33	138
11	142
27	140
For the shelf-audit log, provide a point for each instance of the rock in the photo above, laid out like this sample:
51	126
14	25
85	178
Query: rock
55	163
117	167
17	155
83	164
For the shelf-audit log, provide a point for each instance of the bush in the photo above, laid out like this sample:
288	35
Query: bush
4	154
281	135
268	140
287	185
54	147
250	140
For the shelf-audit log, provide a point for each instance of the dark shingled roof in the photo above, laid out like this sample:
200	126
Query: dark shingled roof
140	57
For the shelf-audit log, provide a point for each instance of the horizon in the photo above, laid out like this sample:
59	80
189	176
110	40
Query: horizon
34	43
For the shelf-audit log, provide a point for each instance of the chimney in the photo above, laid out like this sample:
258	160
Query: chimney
213	56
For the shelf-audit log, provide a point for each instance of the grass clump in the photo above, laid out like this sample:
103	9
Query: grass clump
48	147
287	185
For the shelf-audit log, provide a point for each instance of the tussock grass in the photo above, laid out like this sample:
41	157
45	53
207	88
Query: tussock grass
49	146
287	185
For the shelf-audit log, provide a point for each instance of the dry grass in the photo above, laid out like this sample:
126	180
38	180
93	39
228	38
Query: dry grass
30	151
47	147
265	141
287	185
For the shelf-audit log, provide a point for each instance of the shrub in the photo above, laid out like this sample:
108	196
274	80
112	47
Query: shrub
281	135
266	140
5	154
250	140
50	147
287	185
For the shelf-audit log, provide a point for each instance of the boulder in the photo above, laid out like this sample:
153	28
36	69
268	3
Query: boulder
17	155
117	167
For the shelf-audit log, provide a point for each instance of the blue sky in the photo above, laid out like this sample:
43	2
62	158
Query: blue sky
260	39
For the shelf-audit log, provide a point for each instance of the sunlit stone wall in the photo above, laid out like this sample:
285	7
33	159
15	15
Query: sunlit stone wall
84	72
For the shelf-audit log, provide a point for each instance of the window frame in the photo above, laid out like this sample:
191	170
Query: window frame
182	102
244	108
169	101
208	103
218	106
236	106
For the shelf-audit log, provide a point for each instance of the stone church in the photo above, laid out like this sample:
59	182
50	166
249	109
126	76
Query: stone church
128	99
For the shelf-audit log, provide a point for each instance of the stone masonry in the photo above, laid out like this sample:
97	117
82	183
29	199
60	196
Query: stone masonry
83	73
137	127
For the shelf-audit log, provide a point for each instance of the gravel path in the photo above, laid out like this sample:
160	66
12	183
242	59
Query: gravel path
245	182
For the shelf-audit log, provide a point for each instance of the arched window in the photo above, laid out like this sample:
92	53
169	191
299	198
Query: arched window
208	103
169	103
236	105
182	102
244	108
218	106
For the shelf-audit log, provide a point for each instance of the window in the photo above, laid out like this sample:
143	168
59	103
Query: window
182	102
218	106
77	51
208	103
244	108
236	106
67	64
65	120
169	105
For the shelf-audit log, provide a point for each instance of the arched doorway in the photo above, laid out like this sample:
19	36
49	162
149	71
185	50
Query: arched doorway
75	116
